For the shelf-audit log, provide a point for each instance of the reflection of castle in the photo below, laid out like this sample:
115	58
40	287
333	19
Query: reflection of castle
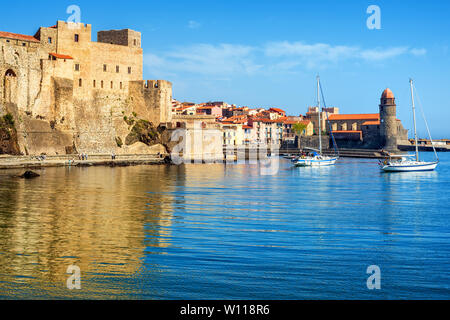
372	131
100	219
65	90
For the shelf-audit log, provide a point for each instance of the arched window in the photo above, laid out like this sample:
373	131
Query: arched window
335	126
354	126
10	73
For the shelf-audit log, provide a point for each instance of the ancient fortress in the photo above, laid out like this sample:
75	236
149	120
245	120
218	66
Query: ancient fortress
68	94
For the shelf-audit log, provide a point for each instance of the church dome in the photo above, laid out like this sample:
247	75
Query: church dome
387	94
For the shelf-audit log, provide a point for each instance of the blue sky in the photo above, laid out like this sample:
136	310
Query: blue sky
268	53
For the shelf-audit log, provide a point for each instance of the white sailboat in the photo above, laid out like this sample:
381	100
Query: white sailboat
317	159
410	163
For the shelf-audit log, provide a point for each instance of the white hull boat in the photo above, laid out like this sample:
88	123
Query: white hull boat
317	159
409	166
412	163
316	162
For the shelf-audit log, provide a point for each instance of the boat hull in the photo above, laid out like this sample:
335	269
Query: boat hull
430	166
316	162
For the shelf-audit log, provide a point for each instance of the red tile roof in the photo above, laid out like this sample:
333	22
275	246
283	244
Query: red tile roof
277	110
17	36
60	56
371	123
374	116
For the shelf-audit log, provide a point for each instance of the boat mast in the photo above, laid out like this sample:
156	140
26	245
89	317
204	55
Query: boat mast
320	118
414	116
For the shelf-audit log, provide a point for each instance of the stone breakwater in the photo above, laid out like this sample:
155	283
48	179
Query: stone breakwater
27	162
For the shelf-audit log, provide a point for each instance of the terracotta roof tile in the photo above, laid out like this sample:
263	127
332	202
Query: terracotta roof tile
60	56
371	123
374	116
17	36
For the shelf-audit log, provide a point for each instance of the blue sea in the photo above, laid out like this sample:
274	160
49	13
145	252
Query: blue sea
226	232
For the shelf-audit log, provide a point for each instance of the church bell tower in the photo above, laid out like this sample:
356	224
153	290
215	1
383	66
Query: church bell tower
388	118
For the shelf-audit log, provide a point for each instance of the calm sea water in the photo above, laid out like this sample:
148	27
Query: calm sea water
226	232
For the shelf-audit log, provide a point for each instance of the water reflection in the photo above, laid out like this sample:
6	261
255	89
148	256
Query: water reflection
97	219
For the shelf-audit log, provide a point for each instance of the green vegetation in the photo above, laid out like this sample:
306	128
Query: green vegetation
143	131
299	128
8	120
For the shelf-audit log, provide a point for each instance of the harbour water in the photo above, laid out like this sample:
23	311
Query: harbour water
226	232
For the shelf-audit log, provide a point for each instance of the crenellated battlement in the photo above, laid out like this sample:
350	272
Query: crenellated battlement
157	84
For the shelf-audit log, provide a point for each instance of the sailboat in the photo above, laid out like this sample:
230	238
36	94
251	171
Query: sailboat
317	159
412	163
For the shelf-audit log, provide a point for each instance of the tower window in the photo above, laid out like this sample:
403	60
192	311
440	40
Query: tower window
105	68
77	38
77	67
94	83
112	85
117	69
101	84
129	70
80	82
49	40
135	42
121	86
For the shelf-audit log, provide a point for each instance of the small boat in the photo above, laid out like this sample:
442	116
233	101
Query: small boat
411	163
317	159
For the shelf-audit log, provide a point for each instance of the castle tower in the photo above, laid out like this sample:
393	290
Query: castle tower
388	118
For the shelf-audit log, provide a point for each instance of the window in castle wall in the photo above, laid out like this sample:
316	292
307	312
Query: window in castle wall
50	40
94	84
80	82
129	70
117	69
121	86
101	84
24	44
112	85
105	68
135	42
77	67
77	38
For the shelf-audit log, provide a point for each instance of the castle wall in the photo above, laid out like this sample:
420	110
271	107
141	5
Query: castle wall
61	103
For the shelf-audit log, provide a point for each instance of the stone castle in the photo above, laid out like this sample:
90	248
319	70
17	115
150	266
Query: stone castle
68	94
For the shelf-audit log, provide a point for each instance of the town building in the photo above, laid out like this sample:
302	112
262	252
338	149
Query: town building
373	131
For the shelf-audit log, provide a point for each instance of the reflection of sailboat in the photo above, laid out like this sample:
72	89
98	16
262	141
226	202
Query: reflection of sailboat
408	163
316	159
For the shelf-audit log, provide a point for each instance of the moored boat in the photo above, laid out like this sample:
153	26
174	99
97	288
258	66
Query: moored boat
408	163
317	159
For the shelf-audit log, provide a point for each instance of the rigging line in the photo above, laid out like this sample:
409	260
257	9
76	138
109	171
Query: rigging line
426	122
336	150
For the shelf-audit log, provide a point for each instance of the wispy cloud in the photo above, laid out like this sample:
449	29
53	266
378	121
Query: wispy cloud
194	24
223	59
310	55
231	59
